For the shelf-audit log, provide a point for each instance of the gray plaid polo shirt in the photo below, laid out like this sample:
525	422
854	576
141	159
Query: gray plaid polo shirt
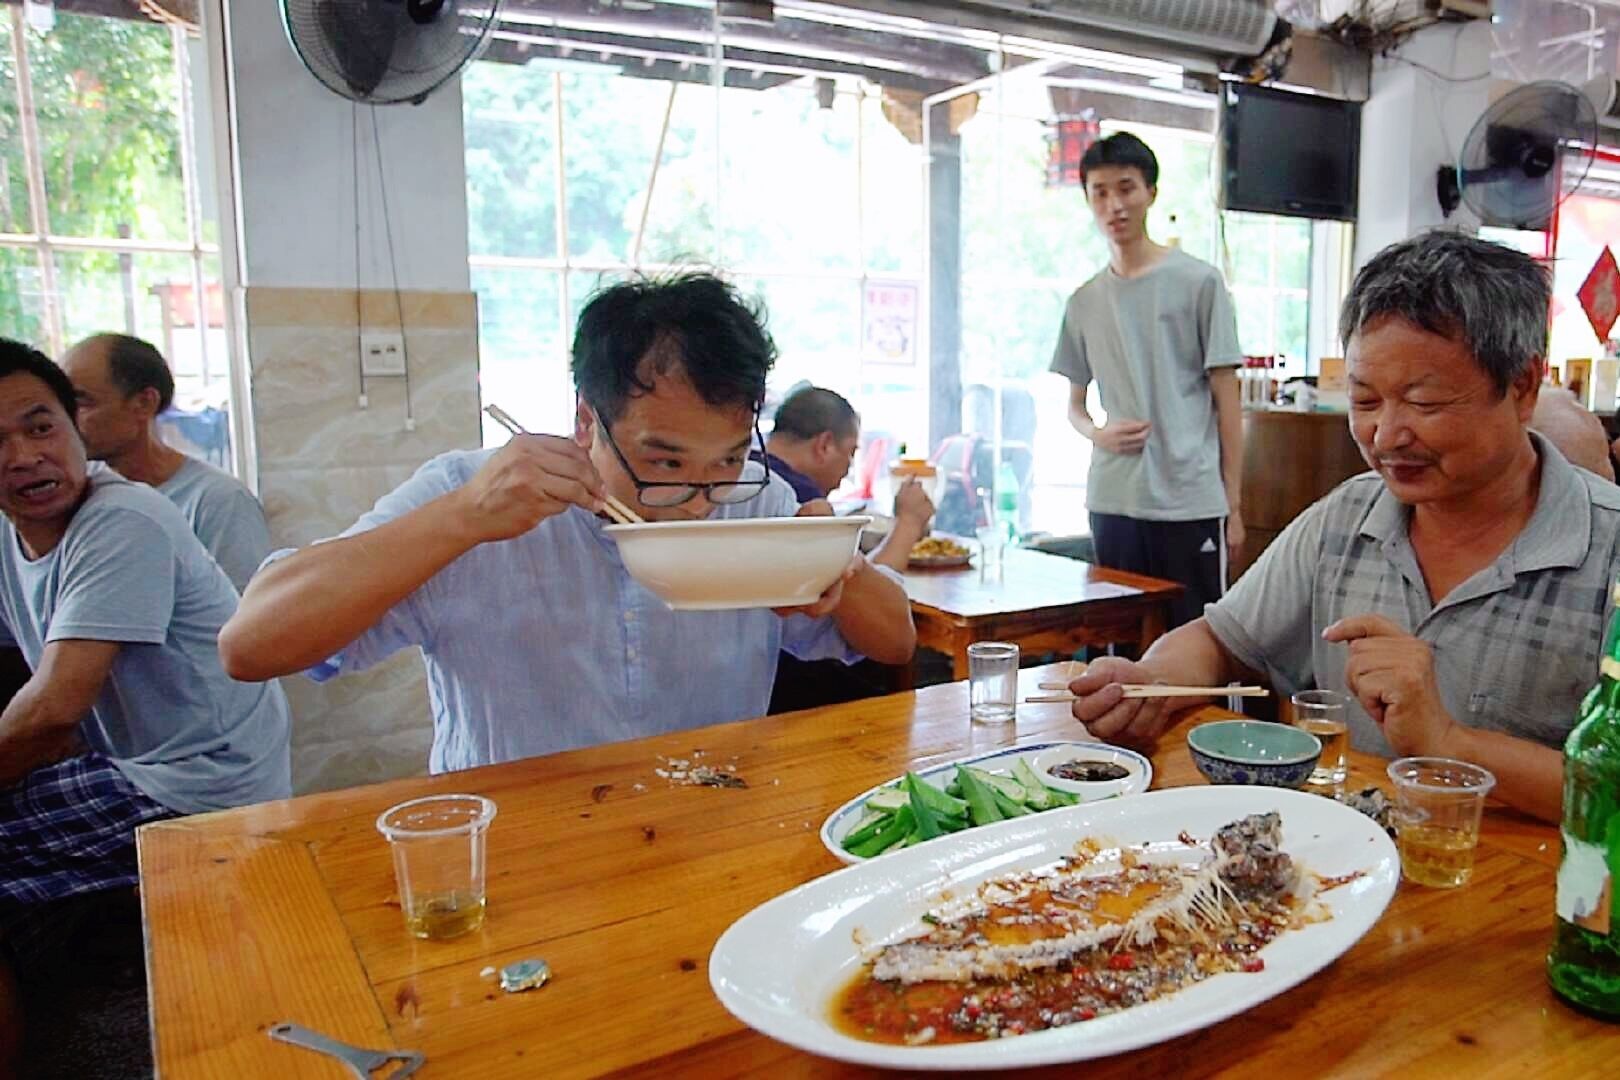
1516	646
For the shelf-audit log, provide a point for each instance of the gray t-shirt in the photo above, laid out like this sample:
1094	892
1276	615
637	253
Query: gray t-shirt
128	569
1150	342
1515	646
225	516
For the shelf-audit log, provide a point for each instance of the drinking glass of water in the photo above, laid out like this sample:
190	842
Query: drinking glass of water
992	681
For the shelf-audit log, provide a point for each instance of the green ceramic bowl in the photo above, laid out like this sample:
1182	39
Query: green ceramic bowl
1254	752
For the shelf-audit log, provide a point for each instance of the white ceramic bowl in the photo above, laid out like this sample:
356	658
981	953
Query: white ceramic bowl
739	563
1092	789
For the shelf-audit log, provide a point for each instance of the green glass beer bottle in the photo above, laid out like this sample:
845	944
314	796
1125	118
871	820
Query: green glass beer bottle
1584	964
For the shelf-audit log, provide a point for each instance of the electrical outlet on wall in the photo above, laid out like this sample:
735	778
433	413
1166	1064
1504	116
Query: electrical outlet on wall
382	352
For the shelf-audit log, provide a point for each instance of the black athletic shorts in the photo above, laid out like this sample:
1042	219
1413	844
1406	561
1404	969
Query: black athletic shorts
1191	553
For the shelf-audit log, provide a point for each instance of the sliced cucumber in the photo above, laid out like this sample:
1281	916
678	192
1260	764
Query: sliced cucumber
1008	807
1037	796
866	828
887	799
1009	787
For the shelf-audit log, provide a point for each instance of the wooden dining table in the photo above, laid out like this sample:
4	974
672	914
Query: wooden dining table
622	880
1044	603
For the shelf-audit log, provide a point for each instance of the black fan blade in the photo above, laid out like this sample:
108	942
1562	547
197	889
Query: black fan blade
423	12
361	37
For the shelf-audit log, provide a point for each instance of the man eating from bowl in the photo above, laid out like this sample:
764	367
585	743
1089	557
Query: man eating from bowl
496	565
1458	593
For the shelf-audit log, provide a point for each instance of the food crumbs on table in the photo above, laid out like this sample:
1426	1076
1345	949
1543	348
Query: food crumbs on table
649	833
525	975
599	792
638	787
688	964
681	771
405	999
487	972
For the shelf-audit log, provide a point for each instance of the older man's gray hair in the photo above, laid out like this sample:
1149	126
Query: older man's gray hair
1491	298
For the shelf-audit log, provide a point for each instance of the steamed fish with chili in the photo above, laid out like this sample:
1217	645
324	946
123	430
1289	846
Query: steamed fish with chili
1102	931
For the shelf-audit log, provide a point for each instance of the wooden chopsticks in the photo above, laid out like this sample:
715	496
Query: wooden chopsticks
615	509
1077	668
1142	690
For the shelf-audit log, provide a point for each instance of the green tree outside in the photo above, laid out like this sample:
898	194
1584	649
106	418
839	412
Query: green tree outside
105	96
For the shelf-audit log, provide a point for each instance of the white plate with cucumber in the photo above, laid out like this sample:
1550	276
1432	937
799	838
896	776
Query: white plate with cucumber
970	791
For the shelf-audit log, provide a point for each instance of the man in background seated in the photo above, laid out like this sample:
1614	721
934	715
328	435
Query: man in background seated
1574	429
495	563
813	442
812	446
129	716
123	386
1458	593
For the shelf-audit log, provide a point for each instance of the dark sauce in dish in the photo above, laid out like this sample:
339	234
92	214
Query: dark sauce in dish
1089	771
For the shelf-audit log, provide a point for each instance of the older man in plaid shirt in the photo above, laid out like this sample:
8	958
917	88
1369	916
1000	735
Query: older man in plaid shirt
1457	593
128	716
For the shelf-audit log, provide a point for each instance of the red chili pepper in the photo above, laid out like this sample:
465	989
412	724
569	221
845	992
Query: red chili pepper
972	1012
1254	963
1088	1014
1122	962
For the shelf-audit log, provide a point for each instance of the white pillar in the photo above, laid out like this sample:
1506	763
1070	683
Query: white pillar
1415	121
295	157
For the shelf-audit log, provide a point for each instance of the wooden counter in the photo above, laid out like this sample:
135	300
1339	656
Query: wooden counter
1290	460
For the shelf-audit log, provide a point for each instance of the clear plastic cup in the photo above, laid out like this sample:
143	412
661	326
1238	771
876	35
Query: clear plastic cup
992	682
1438	802
438	846
1322	713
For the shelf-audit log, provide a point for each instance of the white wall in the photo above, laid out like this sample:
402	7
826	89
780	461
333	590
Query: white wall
296	144
1413	123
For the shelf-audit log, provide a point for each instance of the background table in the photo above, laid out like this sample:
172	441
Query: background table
1045	603
623	882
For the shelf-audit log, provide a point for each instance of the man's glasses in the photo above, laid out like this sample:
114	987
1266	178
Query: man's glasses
754	478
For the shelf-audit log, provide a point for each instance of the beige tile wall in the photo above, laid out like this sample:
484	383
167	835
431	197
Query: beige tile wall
323	461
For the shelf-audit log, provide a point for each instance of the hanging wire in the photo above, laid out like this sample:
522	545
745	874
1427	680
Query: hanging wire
359	317
393	270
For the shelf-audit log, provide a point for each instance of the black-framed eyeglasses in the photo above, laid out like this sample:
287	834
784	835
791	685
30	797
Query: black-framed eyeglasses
754	478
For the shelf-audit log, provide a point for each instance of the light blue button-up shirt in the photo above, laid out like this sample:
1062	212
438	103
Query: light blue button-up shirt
544	642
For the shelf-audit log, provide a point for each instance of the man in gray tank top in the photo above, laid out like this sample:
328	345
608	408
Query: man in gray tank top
1155	330
123	384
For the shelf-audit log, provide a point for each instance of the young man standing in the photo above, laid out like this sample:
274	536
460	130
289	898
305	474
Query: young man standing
1155	330
123	385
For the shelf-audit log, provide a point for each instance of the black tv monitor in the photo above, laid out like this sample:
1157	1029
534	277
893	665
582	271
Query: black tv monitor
1289	153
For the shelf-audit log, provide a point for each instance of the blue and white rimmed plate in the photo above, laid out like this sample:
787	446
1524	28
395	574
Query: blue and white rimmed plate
779	967
1035	755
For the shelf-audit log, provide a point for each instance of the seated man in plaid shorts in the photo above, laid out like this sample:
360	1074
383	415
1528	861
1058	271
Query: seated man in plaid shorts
128	716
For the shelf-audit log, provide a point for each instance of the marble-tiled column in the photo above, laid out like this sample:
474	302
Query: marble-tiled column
323	460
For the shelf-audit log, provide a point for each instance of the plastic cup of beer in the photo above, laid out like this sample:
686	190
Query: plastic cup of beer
438	845
1321	712
992	682
1438	802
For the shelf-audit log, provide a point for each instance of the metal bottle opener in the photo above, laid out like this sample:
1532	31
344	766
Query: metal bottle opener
362	1062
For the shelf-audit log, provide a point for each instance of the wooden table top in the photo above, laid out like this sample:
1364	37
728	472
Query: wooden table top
623	882
1030	581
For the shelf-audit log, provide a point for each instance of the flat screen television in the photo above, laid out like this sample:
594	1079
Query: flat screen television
1289	153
